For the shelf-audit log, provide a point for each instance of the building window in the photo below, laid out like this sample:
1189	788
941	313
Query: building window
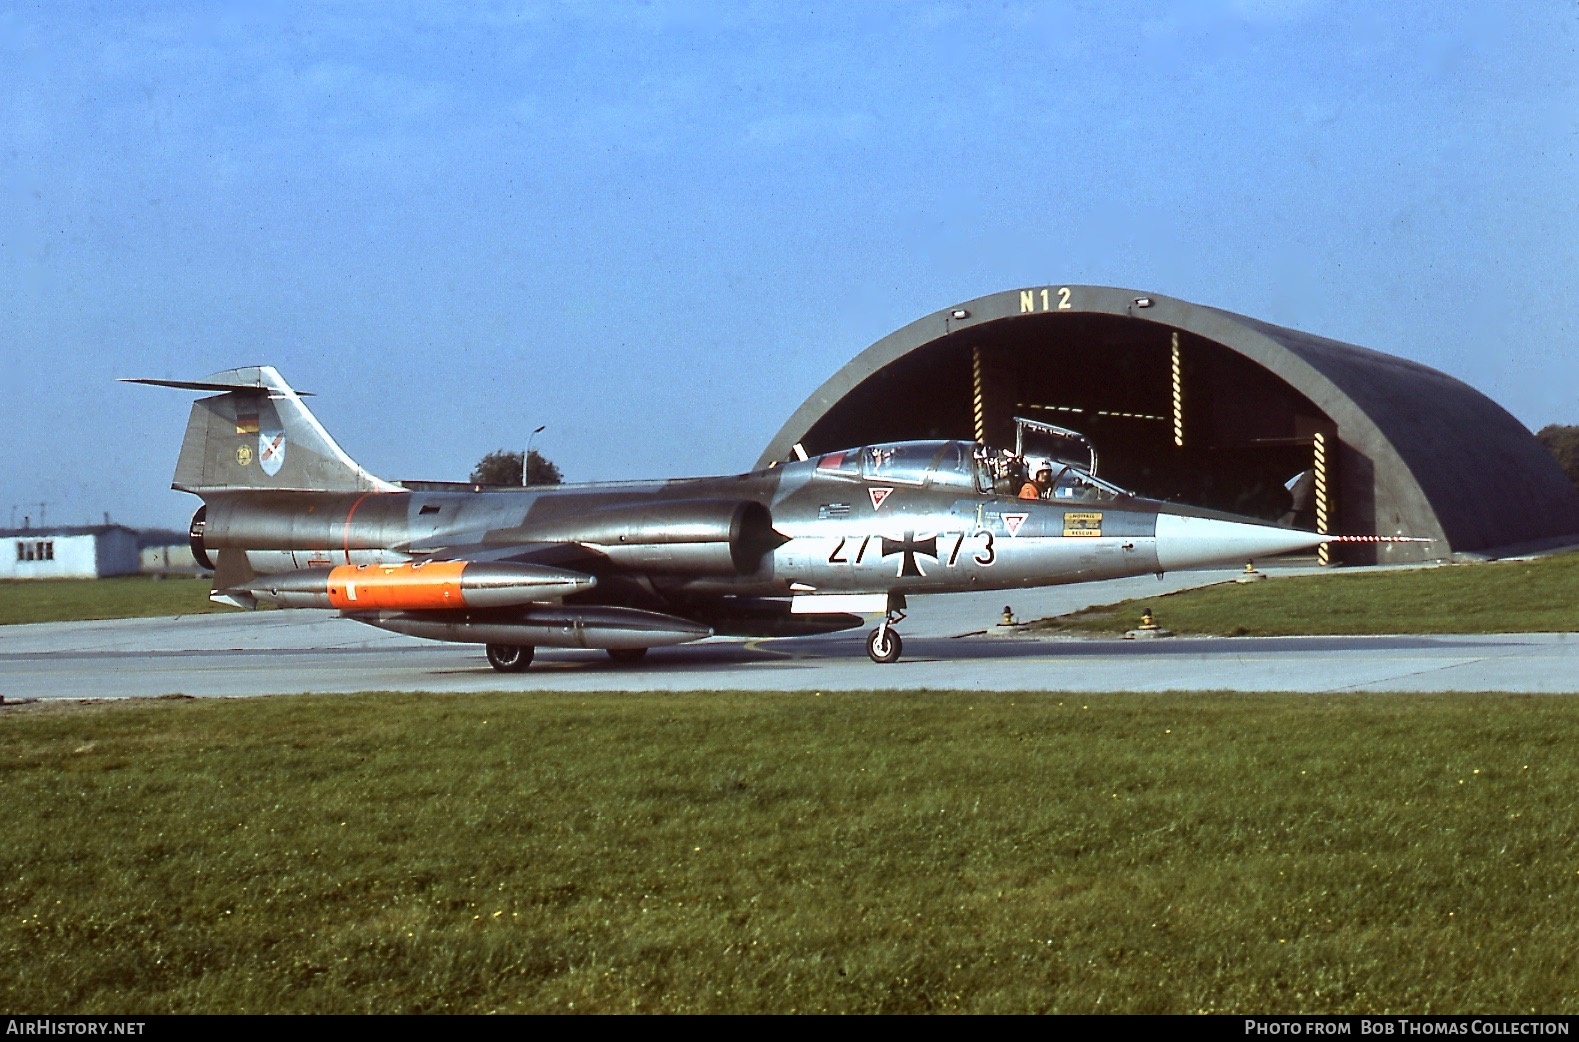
40	550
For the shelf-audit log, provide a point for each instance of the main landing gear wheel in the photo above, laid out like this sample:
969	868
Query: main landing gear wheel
510	658
884	645
626	656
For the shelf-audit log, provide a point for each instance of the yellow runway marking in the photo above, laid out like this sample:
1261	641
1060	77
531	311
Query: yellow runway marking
756	645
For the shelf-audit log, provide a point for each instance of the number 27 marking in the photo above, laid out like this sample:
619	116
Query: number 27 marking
837	556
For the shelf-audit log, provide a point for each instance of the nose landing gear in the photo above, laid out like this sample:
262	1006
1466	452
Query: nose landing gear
883	643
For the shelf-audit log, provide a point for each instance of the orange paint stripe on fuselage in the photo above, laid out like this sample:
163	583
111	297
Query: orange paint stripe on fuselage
397	587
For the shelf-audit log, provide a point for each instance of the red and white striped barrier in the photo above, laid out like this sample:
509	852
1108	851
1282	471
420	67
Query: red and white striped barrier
1377	539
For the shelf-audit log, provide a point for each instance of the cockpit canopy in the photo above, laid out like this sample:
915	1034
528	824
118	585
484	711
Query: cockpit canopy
965	466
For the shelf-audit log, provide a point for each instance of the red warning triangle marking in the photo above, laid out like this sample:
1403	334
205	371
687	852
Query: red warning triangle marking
1013	522
878	495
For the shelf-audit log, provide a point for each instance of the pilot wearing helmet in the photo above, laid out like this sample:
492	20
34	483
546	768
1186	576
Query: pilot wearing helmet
1037	487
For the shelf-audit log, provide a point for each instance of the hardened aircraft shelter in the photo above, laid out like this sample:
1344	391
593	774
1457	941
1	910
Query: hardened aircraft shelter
1203	406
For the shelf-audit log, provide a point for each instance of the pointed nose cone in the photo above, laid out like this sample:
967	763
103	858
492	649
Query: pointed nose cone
1185	542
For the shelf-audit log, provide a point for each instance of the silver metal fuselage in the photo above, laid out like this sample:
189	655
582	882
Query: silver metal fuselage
807	547
811	533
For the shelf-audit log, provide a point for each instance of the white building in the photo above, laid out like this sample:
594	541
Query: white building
88	552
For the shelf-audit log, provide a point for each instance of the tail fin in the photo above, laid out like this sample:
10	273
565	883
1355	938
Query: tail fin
257	434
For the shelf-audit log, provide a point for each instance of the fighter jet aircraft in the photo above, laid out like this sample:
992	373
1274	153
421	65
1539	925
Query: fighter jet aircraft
810	546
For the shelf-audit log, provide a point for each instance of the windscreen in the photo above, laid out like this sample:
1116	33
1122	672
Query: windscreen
903	463
1074	484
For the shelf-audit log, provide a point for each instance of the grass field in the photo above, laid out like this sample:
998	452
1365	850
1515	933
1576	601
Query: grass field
750	852
126	597
1500	597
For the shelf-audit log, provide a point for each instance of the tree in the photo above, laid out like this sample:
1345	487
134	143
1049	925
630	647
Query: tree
503	467
1563	442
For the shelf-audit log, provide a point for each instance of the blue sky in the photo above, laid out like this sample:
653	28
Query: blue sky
656	228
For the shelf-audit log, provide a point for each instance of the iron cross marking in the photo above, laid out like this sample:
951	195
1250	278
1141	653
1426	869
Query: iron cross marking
910	546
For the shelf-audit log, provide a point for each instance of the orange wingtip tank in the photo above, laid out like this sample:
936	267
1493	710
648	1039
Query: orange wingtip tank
423	586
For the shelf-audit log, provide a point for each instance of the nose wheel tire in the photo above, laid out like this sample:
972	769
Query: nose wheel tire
626	656
510	658
884	645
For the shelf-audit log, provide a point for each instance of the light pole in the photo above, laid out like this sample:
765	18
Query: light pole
528	456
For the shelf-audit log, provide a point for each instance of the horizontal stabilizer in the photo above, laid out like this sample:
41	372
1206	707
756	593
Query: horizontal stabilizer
217	382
